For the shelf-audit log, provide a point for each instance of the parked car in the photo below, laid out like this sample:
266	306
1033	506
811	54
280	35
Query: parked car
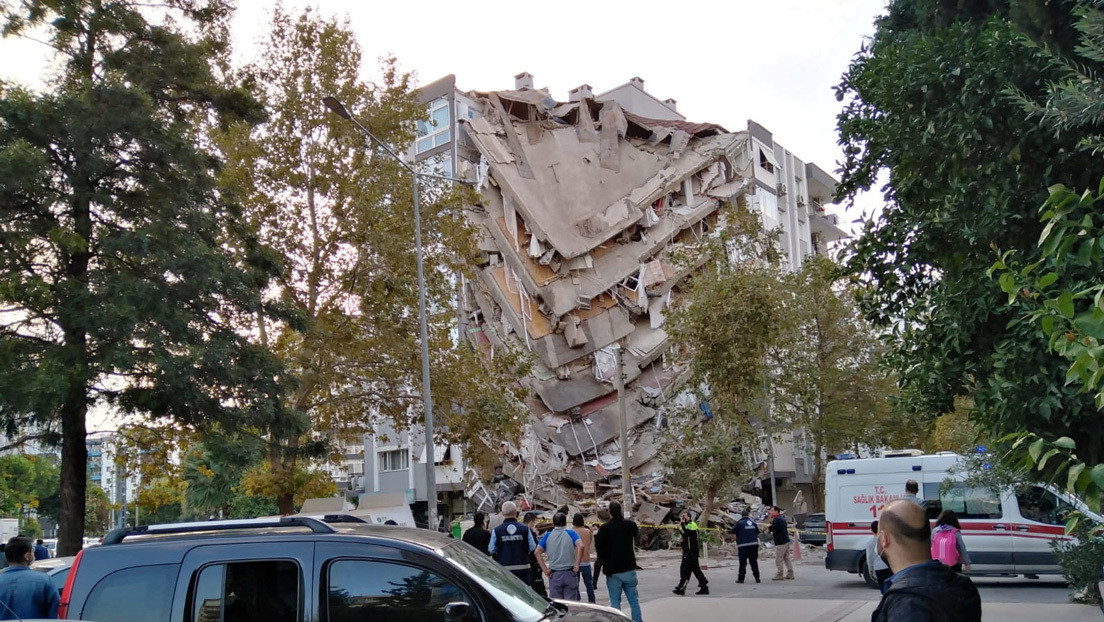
301	568
814	532
57	568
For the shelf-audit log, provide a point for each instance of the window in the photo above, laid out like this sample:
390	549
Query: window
1043	506
967	502
265	591
437	129
363	590
766	161
139	594
395	460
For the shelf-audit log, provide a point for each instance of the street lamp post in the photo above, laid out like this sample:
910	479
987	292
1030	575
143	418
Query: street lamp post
427	396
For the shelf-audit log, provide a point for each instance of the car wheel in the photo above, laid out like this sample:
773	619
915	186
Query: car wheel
868	574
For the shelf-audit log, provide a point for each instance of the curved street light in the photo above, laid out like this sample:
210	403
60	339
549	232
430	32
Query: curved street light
427	396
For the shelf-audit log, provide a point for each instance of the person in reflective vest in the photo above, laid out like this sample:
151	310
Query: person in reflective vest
511	543
689	530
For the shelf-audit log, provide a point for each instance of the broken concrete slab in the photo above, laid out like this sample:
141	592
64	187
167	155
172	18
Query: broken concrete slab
588	433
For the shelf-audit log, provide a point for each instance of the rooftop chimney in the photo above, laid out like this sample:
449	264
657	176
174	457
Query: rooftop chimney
637	82
579	92
671	103
523	80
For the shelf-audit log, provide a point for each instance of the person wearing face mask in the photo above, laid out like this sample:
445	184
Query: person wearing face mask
920	590
880	569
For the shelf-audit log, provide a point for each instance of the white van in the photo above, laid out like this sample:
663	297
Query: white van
1005	532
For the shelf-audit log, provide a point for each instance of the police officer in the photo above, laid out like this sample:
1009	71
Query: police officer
689	530
512	542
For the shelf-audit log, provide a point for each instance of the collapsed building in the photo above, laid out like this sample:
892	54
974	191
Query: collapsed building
590	217
591	213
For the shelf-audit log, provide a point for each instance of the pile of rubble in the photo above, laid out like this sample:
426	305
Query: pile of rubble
590	217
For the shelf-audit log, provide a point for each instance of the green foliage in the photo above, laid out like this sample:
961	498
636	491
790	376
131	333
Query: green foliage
114	283
97	511
725	324
28	481
830	376
343	220
1062	292
926	102
1056	462
1081	561
953	431
30	527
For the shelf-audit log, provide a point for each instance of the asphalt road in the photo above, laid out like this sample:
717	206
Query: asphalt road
660	575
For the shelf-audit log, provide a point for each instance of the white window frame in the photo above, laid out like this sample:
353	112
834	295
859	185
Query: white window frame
433	136
386	458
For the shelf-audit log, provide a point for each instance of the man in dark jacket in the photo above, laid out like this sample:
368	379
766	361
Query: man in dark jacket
783	550
477	536
689	531
920	590
614	544
747	545
512	542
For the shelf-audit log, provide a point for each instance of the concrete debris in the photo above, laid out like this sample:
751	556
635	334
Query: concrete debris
589	218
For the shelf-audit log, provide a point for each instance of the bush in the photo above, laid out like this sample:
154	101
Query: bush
1082	560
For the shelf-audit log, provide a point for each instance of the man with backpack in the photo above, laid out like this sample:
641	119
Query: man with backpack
920	590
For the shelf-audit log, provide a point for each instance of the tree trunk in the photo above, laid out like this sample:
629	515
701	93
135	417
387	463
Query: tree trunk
707	505
74	471
818	479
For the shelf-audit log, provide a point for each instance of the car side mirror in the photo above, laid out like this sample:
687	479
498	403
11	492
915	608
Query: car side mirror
456	612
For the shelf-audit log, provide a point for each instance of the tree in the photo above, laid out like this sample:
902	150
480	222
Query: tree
1057	285
114	284
28	482
928	102
97	510
830	377
343	221
725	324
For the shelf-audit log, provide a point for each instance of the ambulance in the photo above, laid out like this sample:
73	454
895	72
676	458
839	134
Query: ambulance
1006	532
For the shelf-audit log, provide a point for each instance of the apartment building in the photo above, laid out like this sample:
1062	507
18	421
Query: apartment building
572	272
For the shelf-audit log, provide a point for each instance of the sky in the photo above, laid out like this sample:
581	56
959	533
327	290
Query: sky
724	61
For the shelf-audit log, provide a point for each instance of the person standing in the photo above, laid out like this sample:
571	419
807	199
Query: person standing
614	543
587	537
920	590
23	592
690	551
873	560
512	542
495	519
747	545
783	551
912	491
477	536
536	575
560	554
40	550
946	542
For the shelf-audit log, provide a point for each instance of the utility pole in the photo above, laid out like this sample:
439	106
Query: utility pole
626	476
770	440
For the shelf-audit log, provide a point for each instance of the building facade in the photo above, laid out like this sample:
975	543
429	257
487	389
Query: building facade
585	207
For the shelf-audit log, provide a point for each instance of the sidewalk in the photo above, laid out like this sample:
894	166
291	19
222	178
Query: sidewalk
738	609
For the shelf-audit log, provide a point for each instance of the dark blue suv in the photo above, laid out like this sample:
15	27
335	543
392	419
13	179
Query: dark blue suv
300	569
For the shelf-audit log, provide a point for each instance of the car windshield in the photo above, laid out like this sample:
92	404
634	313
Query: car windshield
521	601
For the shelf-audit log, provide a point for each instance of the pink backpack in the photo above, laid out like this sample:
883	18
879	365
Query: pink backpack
944	546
